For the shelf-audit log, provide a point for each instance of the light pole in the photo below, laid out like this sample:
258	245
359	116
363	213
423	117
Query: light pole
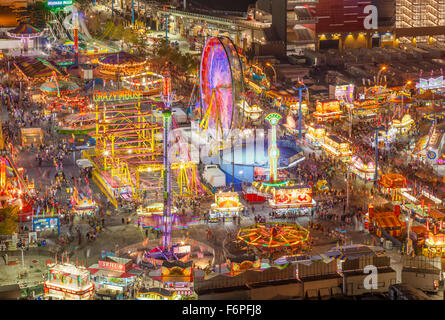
376	174
302	87
274	72
379	73
132	12
403	89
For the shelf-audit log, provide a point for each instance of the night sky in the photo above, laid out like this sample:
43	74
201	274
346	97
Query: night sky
235	5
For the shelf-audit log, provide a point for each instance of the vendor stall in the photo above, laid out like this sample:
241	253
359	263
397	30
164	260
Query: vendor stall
388	221
434	245
227	205
315	135
31	136
362	168
393	184
404	125
68	282
294	200
327	110
337	147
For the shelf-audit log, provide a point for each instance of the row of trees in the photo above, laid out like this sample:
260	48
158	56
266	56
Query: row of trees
184	61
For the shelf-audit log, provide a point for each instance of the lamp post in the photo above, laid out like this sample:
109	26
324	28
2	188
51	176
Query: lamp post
274	72
379	73
132	12
376	174
302	87
403	89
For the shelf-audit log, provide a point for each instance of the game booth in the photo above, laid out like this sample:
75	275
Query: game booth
252	112
337	147
31	136
419	204
386	220
292	200
393	184
315	135
434	245
154	209
227	205
365	107
327	110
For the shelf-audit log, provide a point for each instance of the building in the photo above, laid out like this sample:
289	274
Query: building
420	20
324	24
196	25
112	276
354	275
319	24
421	272
68	282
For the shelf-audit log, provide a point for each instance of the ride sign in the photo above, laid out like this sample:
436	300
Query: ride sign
99	96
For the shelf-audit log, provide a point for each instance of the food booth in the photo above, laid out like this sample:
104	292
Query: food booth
404	125
392	184
337	147
327	110
295	200
68	282
388	221
363	169
315	135
227	205
31	136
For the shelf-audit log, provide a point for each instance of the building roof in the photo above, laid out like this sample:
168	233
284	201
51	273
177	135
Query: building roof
37	68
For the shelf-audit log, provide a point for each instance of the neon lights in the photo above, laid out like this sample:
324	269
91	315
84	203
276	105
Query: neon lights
431	83
100	96
59	3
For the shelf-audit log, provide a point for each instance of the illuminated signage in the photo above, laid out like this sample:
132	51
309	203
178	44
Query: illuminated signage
114	266
100	96
293	195
59	3
431	83
45	224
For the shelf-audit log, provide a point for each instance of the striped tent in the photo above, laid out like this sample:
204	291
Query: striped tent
24	31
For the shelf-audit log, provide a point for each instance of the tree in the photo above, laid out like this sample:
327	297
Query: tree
185	62
9	219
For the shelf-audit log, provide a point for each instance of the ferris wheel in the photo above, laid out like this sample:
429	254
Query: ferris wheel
221	86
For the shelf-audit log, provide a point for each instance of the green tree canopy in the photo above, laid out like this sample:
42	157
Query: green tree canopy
9	219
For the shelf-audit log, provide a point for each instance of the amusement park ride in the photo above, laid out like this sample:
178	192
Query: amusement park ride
14	190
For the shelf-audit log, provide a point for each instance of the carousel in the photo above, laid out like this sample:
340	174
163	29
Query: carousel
147	82
58	88
77	123
25	32
121	64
